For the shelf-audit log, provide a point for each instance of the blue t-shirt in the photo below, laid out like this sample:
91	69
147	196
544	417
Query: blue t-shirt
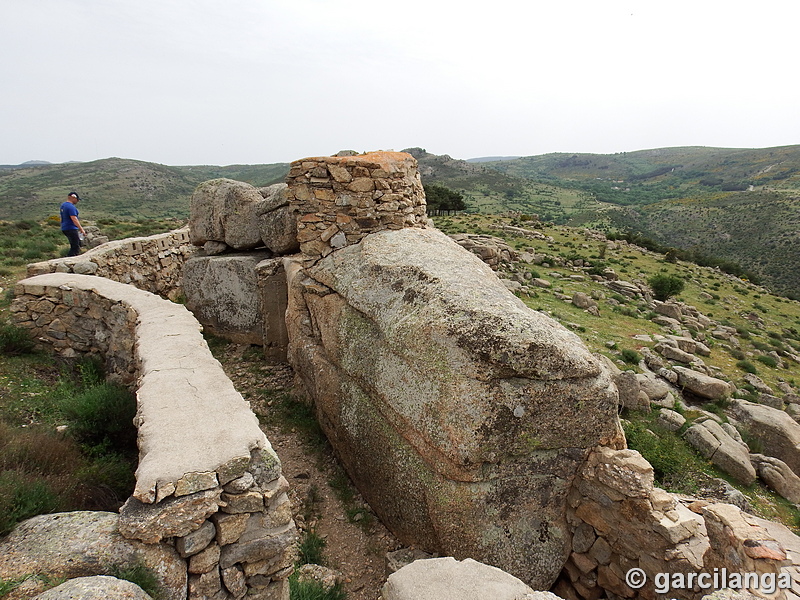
68	210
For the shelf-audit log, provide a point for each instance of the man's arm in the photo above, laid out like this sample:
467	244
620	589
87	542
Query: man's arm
77	224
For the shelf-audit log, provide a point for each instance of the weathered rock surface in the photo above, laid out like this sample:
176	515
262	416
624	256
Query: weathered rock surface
97	587
80	544
446	578
492	250
673	352
277	221
701	384
714	443
778	432
222	293
223	210
460	414
778	476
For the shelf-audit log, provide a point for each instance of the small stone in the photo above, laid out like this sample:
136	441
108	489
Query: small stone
240	485
247	502
197	540
206	560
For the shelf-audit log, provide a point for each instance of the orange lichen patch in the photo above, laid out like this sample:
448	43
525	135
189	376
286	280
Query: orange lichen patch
370	160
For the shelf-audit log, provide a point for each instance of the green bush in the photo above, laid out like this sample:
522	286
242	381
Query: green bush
665	286
102	415
15	340
747	366
767	360
632	357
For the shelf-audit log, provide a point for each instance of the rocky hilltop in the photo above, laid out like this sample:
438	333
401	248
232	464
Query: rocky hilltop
470	384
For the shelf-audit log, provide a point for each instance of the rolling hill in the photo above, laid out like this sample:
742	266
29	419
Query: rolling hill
116	187
741	205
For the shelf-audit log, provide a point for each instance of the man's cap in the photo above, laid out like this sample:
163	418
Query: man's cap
74	195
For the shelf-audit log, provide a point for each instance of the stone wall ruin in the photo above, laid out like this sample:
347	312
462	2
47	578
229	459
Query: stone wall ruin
208	483
153	263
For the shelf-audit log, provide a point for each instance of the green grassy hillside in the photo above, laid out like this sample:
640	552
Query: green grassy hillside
116	188
741	205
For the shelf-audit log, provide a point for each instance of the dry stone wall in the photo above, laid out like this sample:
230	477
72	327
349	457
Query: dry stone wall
208	482
340	199
620	521
151	263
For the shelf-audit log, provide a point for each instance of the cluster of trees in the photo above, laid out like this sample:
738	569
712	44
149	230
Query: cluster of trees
442	200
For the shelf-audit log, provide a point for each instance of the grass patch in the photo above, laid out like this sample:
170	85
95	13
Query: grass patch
310	549
141	576
677	468
313	590
290	414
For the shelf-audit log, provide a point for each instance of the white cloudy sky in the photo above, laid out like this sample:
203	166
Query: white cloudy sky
259	81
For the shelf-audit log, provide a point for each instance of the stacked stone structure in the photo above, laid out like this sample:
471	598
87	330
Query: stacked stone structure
153	263
620	521
340	199
208	483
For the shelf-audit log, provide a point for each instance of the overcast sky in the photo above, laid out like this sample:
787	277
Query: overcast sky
259	81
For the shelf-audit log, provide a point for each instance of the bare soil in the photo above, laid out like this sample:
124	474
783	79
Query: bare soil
356	541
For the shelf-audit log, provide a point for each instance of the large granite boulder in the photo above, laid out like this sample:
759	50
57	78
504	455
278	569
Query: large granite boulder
778	432
277	221
445	578
778	476
240	297
96	587
82	544
461	415
702	385
715	444
223	210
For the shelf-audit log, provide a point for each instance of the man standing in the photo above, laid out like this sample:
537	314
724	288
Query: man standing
70	225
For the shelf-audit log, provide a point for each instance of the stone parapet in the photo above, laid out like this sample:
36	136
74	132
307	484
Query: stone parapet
151	263
619	521
208	481
340	199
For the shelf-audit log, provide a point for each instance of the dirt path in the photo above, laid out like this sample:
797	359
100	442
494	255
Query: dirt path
356	542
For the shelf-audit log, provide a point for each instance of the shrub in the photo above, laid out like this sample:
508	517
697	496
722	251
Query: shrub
665	286
632	357
15	340
102	415
747	366
767	360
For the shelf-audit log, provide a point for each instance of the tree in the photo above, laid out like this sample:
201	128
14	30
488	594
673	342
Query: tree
665	286
442	199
